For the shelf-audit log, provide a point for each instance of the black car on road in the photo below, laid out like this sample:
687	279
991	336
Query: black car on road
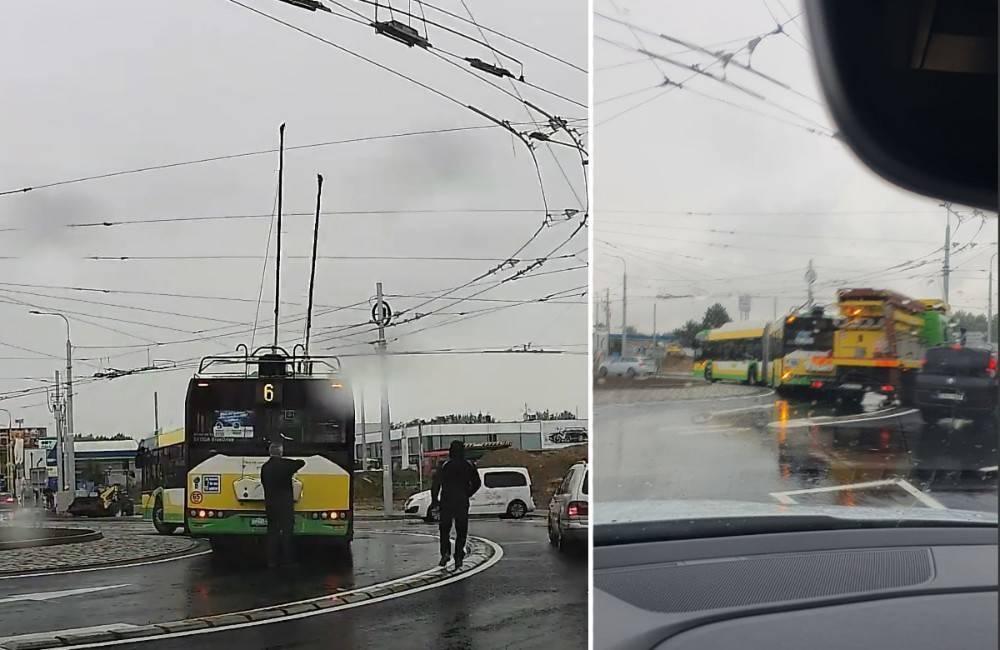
957	382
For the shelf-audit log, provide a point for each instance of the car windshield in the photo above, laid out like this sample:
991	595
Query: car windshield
586	479
804	291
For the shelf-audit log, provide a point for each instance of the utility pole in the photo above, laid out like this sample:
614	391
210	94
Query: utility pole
946	271
420	452
607	310
774	309
810	280
364	441
624	307
989	305
654	324
386	436
58	413
156	414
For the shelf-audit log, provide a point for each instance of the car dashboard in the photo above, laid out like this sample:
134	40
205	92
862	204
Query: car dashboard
908	587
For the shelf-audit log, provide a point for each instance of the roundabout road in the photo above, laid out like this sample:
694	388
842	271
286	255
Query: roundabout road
202	584
533	597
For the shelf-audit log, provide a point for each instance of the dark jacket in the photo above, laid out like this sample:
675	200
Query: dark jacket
276	477
454	482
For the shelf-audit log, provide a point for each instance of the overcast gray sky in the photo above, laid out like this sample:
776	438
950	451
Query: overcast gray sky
778	194
101	87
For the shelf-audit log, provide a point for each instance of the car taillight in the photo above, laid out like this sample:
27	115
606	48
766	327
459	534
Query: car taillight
991	367
576	509
888	388
816	384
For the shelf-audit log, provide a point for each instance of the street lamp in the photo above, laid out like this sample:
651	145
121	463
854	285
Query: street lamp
70	455
624	298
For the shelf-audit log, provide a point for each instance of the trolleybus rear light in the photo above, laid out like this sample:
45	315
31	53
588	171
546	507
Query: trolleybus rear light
324	515
816	384
201	514
194	513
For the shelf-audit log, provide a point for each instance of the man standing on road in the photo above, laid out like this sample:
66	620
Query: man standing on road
453	484
279	504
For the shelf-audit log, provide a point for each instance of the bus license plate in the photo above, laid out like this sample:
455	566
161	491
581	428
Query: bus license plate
954	397
259	522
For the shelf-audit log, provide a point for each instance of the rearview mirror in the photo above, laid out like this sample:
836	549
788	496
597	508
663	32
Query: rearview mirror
912	85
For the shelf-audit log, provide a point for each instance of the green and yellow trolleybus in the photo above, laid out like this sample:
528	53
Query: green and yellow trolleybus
163	470
790	354
236	407
733	352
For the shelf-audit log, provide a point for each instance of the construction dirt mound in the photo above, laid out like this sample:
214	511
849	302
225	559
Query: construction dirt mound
547	468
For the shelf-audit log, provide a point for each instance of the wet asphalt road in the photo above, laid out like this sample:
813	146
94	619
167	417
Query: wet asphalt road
533	598
749	448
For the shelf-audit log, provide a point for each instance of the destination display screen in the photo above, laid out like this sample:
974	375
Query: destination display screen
226	426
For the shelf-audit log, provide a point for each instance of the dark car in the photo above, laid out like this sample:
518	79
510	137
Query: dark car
957	381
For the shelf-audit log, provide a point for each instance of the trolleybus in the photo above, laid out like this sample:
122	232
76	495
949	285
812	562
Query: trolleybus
236	407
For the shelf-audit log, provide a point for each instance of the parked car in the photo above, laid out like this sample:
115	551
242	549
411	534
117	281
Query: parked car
630	367
957	381
569	509
506	491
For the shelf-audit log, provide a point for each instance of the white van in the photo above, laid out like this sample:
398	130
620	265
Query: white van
505	491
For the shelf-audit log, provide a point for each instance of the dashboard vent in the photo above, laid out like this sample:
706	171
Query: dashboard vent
734	582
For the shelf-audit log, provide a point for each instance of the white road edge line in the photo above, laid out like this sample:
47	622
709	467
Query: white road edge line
23	576
823	423
674	402
497	556
785	498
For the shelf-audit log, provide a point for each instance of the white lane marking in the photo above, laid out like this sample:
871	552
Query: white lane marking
40	596
22	576
826	420
461	575
682	402
991	468
73	630
929	501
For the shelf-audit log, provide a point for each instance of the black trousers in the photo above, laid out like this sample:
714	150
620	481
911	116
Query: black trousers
280	519
460	517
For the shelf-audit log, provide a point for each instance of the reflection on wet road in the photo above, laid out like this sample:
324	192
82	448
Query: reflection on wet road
208	585
778	450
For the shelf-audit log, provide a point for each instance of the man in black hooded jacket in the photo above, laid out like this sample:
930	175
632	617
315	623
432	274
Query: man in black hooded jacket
454	482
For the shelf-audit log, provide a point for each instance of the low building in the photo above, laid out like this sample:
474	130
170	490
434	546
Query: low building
533	435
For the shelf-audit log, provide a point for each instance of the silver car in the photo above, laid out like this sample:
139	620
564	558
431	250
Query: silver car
630	367
569	509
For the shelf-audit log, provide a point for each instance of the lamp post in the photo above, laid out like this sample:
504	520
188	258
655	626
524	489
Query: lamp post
69	477
624	300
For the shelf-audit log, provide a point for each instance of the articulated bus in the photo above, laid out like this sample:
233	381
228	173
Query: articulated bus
236	407
790	354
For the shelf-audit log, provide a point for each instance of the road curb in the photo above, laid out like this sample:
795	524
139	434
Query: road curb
481	552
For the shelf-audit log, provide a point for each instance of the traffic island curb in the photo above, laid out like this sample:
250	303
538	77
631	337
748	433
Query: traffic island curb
38	536
195	547
481	553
